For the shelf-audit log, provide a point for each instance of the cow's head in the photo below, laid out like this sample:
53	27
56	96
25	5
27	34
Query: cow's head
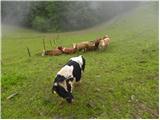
63	91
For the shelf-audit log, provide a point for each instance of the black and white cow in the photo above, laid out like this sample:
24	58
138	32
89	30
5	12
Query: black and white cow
70	72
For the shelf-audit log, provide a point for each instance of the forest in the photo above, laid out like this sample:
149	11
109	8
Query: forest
58	16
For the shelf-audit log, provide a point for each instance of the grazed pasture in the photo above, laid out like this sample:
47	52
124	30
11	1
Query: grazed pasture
120	82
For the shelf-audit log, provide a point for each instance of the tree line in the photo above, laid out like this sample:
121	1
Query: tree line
55	16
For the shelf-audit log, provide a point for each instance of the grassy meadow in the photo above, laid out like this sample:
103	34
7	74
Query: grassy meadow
119	82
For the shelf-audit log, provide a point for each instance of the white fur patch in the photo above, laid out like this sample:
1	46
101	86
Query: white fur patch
55	84
64	85
66	71
70	82
78	60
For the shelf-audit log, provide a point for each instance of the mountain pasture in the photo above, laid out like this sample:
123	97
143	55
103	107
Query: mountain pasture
119	82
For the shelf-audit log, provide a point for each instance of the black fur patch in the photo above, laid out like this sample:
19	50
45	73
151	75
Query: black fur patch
62	92
76	69
84	63
68	86
59	78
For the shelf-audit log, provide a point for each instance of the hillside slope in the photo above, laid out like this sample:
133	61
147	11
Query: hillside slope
120	82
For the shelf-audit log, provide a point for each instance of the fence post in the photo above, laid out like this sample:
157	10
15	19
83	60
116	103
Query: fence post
29	54
44	44
50	43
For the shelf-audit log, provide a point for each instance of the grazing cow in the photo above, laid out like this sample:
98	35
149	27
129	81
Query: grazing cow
104	42
92	45
54	52
64	80
81	46
67	50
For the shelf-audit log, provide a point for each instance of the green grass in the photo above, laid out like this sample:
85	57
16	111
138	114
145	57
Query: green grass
120	82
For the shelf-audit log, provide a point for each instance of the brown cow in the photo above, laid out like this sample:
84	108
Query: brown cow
104	43
67	50
92	45
54	52
81	46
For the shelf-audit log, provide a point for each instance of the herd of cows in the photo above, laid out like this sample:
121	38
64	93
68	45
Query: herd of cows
100	43
72	71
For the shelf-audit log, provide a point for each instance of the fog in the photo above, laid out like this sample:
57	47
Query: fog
17	12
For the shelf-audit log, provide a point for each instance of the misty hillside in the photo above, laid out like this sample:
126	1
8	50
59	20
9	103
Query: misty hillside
119	82
62	16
